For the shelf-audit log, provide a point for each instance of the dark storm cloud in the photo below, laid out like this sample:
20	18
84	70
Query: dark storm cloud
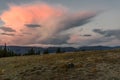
108	33
32	25
86	35
99	31
7	29
8	34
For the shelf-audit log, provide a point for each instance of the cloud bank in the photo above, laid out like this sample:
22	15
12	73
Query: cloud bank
41	23
109	33
7	29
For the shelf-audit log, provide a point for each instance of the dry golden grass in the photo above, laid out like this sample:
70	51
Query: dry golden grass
56	66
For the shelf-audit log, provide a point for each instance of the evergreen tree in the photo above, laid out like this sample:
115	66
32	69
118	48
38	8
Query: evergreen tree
1	52
58	50
31	52
4	52
46	51
38	52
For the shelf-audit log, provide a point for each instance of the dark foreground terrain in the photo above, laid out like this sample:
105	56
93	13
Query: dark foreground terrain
87	65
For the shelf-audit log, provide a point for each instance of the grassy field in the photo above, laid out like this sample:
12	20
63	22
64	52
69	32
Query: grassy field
87	65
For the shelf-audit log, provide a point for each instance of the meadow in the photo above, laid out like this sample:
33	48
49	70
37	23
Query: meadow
83	65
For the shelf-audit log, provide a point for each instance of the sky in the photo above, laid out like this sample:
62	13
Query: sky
60	22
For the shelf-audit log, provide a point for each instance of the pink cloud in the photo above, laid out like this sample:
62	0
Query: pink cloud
52	20
17	16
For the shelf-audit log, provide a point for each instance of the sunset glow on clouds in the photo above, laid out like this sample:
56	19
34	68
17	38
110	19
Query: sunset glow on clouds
37	24
41	23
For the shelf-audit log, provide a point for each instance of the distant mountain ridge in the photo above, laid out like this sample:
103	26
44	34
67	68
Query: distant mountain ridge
24	49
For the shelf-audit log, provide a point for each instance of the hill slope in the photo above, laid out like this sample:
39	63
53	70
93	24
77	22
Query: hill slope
89	65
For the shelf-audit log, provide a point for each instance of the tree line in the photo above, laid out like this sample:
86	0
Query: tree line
46	51
6	52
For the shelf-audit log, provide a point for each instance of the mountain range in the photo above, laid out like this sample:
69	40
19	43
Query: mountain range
24	49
